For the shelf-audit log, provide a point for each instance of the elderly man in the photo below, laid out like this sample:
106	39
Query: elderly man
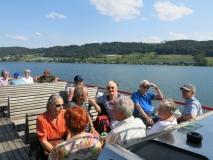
46	78
79	98
192	107
27	78
17	80
4	78
128	129
143	102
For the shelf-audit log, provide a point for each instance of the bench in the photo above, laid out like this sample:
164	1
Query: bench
30	135
28	90
19	106
30	124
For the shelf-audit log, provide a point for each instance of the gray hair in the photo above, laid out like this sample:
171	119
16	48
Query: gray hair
79	90
169	104
4	72
125	105
144	81
47	70
27	70
51	100
112	83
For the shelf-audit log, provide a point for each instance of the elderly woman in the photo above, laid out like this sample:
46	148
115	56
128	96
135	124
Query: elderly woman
81	145
51	125
107	101
165	111
77	80
27	78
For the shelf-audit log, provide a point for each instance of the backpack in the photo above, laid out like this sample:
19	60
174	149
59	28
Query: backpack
102	124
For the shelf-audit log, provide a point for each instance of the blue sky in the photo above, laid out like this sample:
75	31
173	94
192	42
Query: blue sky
47	23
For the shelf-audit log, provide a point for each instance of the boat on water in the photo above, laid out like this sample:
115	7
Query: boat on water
168	144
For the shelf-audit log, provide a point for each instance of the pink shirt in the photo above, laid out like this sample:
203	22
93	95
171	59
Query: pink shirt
3	82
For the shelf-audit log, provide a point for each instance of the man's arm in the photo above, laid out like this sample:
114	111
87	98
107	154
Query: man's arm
159	93
10	78
92	102
139	108
56	79
35	79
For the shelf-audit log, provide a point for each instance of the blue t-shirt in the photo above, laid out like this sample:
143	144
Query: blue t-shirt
17	82
144	101
192	106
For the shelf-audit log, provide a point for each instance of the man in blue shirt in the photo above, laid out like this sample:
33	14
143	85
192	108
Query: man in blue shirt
192	107
143	101
17	80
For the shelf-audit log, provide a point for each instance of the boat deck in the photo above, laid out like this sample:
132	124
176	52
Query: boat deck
11	145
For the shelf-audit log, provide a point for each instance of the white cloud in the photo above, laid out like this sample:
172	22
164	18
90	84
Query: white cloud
55	15
204	37
38	33
177	36
166	11
17	37
143	18
151	39
119	9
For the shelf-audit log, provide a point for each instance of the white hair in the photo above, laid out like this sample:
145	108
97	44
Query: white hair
27	70
125	105
169	104
144	81
112	83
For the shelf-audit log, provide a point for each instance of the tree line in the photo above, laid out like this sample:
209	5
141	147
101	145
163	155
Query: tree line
198	49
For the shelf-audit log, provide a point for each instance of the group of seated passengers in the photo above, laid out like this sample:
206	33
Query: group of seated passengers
26	79
125	128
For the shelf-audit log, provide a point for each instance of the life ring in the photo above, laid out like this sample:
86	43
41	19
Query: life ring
194	137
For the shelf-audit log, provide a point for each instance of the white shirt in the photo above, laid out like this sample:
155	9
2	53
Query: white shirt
160	125
28	80
126	131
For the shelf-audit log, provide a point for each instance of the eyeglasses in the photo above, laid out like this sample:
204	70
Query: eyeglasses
45	73
110	87
145	87
184	91
59	105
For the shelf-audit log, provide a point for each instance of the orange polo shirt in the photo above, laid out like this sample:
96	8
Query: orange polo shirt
47	129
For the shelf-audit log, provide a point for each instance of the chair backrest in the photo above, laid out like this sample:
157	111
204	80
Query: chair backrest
19	106
30	135
29	89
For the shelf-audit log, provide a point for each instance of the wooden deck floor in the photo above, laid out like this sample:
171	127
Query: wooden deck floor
11	145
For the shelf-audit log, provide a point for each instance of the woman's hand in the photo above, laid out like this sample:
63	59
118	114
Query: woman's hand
93	131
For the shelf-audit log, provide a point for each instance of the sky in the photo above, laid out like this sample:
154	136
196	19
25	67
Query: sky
48	23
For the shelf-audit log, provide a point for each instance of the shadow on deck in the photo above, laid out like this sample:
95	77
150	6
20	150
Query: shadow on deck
11	145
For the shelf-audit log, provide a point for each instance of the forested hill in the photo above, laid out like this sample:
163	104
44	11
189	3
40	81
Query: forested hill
204	48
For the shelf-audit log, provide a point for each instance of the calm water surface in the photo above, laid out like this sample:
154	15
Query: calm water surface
168	78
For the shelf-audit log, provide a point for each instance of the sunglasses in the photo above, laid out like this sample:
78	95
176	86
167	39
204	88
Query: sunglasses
145	87
110	87
59	105
184	91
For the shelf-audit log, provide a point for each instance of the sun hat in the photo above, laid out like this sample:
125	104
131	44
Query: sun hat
16	75
189	87
78	78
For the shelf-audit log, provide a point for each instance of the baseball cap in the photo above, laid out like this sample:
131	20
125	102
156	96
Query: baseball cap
189	87
16	75
78	78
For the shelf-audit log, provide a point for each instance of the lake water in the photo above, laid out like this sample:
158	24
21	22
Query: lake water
168	78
